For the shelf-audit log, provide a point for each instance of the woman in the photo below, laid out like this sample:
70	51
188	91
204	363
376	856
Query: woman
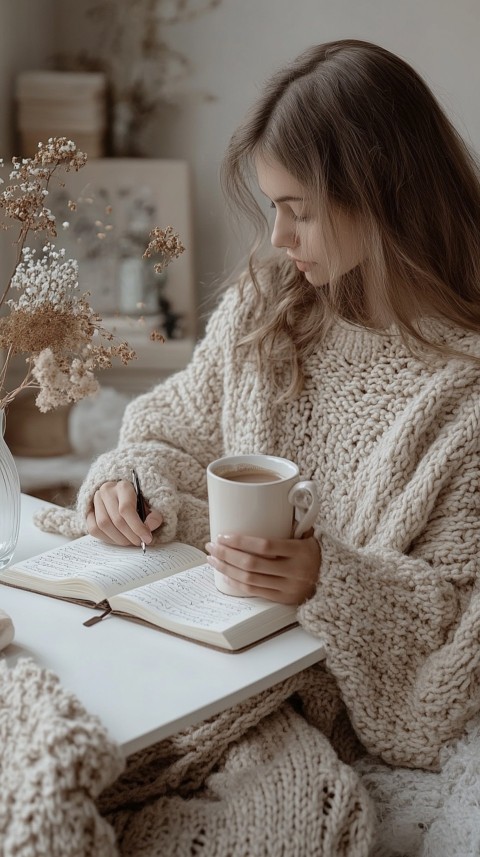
355	352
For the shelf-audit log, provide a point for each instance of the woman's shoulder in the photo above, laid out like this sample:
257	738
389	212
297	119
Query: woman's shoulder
450	335
241	301
234	306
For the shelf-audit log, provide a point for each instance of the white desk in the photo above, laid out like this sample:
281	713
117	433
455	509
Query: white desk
144	685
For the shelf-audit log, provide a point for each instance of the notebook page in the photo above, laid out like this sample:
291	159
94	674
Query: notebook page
191	598
111	567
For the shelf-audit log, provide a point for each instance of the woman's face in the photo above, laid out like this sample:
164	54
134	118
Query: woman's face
317	247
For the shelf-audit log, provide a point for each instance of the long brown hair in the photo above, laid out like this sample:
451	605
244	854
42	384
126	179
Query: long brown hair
360	129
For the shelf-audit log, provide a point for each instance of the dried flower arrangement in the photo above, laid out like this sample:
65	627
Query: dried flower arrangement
59	333
126	40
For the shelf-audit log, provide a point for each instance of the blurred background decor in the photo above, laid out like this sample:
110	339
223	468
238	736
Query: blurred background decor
231	49
62	104
228	48
52	339
118	202
155	73
53	451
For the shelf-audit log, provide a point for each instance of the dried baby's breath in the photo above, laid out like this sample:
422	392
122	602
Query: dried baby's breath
166	243
48	322
23	200
156	336
56	329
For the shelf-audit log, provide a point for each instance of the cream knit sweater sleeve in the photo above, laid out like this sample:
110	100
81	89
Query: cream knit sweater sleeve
398	601
169	435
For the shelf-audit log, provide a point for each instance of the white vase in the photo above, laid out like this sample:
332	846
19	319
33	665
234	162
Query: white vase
9	500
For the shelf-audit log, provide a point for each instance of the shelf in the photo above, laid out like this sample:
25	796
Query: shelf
171	355
37	473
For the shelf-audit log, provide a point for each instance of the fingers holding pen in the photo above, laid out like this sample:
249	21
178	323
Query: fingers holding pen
114	517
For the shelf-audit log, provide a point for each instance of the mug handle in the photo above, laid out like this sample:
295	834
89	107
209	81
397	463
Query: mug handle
304	496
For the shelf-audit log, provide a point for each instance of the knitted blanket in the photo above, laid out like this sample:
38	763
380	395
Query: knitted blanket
426	814
196	795
258	780
55	759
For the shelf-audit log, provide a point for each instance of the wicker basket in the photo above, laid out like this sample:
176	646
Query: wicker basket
30	433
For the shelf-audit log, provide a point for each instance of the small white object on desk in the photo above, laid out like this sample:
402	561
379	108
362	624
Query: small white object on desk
7	631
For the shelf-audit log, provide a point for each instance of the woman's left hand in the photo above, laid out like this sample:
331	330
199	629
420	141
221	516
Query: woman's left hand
283	570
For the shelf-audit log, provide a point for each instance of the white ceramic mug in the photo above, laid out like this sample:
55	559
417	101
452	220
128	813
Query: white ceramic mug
278	506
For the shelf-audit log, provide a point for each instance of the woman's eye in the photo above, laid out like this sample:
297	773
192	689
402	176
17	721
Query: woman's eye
301	215
297	218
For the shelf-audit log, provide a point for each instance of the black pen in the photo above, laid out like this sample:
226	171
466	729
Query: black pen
141	505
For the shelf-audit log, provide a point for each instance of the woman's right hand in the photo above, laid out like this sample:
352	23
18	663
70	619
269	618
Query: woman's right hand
114	518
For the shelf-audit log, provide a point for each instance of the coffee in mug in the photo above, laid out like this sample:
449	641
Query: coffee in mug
255	475
258	495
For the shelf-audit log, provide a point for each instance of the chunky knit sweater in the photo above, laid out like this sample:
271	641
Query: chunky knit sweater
393	442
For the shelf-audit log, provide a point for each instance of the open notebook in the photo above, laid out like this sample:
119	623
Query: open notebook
171	587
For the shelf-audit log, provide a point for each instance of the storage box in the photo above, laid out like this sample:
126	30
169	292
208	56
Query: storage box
61	104
29	432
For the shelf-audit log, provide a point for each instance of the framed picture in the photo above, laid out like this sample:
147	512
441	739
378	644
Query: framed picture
116	203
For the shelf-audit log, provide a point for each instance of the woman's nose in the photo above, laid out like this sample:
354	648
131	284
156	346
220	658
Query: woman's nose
282	233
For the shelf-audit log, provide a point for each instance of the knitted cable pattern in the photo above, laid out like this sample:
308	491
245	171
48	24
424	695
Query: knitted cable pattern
182	762
256	780
280	790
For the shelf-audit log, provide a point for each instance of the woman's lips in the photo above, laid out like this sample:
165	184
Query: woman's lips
302	266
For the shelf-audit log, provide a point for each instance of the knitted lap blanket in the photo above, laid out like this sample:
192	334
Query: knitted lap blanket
187	795
197	795
427	814
258	780
55	759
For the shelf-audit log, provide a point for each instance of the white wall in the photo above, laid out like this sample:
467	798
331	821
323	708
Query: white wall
236	46
27	40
